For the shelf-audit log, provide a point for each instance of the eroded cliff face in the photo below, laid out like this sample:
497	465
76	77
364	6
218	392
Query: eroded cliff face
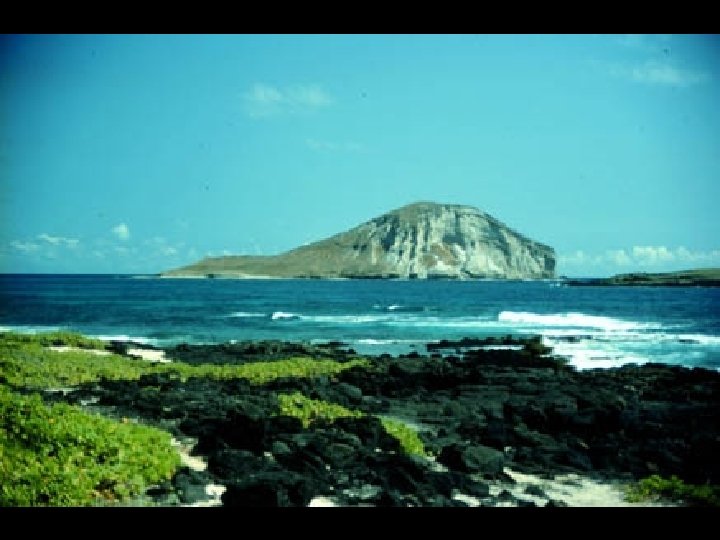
421	240
427	240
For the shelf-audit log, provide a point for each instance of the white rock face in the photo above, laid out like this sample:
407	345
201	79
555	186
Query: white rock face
427	240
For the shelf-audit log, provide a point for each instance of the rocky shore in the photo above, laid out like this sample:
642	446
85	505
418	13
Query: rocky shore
501	421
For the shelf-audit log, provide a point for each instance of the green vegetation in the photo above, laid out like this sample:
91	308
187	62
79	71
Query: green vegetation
656	487
62	456
31	365
408	437
25	362
308	410
60	338
59	455
262	372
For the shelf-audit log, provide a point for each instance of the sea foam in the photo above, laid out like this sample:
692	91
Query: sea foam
281	315
572	320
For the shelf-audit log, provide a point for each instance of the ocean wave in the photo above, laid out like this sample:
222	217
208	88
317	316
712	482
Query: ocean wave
699	339
125	338
565	335
283	315
28	329
399	308
372	341
347	319
393	319
584	355
572	320
244	314
447	322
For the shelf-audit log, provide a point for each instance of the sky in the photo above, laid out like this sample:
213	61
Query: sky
142	153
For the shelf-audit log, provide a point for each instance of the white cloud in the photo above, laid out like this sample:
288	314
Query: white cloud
25	247
266	100
685	255
59	240
308	96
652	255
577	257
641	256
664	74
161	247
45	244
618	257
121	231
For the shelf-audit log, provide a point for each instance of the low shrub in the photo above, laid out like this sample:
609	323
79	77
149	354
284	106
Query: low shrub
62	456
656	487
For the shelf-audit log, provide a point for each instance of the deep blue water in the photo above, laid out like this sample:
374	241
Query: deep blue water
594	326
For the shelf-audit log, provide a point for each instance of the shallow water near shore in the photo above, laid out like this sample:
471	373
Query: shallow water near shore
592	326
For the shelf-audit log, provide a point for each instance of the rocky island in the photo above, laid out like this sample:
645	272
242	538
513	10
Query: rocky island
423	240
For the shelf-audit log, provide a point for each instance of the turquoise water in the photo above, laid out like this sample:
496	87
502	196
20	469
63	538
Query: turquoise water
592	326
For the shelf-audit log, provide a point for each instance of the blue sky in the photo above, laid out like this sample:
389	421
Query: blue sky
140	153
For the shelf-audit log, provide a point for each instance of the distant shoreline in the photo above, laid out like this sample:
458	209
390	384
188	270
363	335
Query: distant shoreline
701	277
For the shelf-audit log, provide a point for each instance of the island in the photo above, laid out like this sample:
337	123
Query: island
700	277
423	240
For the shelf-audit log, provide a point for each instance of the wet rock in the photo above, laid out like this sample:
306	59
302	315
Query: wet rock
269	490
232	463
353	393
190	485
279	448
473	458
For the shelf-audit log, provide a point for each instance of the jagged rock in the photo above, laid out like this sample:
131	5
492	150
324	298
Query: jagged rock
420	241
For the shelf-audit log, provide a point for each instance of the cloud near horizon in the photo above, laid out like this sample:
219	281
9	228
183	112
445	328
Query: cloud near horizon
44	242
25	247
121	231
640	256
264	100
59	240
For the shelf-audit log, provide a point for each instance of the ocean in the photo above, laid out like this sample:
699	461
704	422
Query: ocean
594	327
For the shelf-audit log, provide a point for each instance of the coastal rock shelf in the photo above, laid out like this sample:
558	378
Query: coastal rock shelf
479	414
